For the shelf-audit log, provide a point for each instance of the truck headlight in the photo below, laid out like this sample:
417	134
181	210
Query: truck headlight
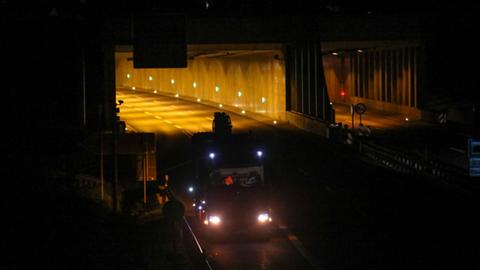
264	217
215	220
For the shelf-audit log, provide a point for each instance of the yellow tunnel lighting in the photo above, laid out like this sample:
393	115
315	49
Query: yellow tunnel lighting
133	88
176	95
227	77
220	105
274	122
198	100
243	111
154	91
128	75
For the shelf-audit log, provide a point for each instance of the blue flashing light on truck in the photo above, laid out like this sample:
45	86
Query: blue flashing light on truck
231	192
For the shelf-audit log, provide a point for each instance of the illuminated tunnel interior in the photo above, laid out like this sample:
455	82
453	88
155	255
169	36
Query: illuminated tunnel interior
250	78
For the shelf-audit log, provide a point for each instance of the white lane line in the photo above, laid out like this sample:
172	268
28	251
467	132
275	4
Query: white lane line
457	150
188	133
299	246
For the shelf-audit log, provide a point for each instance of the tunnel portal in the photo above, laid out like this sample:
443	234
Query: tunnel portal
246	78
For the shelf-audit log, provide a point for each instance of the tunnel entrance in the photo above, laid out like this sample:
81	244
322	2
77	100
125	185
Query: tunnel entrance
247	77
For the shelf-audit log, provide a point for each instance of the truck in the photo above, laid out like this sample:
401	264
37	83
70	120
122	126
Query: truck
232	194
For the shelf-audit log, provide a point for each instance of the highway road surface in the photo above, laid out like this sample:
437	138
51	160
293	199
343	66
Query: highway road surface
333	208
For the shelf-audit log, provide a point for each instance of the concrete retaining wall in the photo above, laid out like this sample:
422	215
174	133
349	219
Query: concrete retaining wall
308	123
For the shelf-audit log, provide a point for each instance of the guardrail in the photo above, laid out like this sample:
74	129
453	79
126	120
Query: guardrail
200	258
399	161
409	164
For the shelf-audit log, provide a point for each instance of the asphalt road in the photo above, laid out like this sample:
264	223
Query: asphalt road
346	212
174	120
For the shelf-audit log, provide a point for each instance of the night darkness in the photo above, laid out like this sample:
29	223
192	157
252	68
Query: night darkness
46	49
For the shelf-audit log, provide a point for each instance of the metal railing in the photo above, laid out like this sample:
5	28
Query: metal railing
199	257
399	161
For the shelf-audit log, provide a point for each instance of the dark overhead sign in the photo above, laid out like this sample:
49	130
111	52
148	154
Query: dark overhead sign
159	41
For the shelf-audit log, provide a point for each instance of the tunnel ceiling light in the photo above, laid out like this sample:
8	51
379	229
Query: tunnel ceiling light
220	105
264	100
335	53
154	91
150	78
176	95
128	75
360	51
133	88
217	88
194	84
172	81
239	93
274	122
243	111
199	100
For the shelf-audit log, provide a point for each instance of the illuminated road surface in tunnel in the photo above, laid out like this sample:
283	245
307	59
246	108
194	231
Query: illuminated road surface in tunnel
144	112
172	117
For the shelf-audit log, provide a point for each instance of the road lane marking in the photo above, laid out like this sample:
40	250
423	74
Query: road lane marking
457	150
299	246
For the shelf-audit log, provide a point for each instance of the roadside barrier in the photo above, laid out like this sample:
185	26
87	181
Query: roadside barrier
397	160
200	259
409	164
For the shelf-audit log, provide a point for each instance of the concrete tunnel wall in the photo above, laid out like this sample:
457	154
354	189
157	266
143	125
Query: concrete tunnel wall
253	82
